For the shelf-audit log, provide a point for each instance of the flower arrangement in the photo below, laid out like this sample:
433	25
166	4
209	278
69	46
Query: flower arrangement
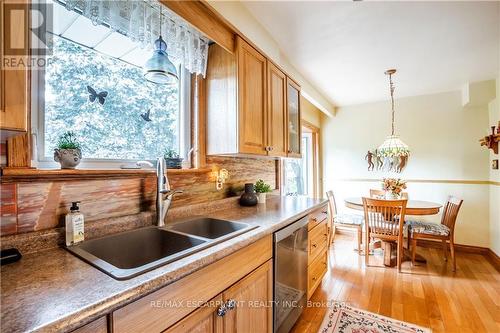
394	186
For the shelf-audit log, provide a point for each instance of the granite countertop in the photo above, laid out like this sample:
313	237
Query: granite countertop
53	290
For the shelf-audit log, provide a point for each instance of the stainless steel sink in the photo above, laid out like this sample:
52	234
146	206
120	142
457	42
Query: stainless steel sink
208	227
131	253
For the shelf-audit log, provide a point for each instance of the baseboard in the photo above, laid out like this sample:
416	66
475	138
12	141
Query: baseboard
458	247
494	259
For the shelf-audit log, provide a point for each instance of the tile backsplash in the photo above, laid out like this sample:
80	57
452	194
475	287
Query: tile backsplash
41	205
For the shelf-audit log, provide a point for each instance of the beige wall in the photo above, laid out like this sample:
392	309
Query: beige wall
494	118
237	14
443	137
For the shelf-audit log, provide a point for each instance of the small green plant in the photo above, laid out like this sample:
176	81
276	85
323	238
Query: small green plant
68	140
171	153
261	187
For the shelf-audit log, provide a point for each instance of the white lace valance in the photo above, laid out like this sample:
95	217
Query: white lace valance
139	20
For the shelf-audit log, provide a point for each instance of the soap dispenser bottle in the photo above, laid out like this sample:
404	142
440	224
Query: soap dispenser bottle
74	225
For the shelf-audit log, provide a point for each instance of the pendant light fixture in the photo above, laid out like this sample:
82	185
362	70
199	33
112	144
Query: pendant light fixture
159	69
393	146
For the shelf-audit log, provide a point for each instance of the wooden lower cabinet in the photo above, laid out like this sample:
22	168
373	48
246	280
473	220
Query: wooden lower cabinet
252	297
318	249
244	307
202	320
97	326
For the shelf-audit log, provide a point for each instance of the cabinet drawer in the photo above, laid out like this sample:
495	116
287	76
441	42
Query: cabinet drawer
318	239
315	273
316	217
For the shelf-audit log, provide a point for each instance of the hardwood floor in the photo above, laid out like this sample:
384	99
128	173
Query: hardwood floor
429	295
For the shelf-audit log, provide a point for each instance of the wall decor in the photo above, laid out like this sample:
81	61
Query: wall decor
491	141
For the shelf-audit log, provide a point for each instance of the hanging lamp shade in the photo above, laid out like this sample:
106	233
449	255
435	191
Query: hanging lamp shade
159	69
393	146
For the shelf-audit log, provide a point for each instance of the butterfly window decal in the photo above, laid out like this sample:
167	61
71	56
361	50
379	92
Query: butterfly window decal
93	95
145	116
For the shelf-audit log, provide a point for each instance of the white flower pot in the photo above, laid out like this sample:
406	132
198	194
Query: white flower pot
261	198
391	196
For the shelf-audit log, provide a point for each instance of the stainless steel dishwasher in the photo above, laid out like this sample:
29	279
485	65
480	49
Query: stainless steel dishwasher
290	274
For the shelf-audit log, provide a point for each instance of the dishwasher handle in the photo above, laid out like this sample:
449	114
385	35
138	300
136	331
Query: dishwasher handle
288	230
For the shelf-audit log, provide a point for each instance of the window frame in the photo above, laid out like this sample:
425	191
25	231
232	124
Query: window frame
39	159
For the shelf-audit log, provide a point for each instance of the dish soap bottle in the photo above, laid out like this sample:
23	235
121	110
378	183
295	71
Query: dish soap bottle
74	225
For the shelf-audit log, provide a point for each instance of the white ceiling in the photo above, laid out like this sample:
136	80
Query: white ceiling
343	48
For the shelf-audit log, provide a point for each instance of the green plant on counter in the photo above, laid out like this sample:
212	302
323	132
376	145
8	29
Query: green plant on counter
68	140
170	153
261	187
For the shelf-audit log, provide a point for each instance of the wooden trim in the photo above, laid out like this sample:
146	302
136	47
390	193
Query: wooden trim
19	152
20	174
199	121
205	20
431	181
494	259
316	148
199	286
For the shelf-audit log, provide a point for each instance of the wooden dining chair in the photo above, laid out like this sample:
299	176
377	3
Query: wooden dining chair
344	221
384	220
445	231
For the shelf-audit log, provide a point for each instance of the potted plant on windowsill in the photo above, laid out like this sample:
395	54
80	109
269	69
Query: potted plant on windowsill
262	188
68	152
172	159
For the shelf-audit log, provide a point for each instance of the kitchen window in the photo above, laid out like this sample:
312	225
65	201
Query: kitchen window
300	175
94	85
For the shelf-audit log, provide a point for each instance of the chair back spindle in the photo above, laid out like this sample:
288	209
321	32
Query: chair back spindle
331	203
384	217
450	212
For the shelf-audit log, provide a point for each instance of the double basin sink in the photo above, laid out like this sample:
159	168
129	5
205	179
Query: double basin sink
131	253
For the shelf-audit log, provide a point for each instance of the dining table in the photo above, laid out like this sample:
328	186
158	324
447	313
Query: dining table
413	207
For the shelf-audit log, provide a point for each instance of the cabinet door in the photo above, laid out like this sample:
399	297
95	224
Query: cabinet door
13	80
252	299
202	320
252	123
293	116
276	98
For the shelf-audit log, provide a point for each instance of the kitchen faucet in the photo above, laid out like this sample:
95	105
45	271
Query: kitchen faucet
164	194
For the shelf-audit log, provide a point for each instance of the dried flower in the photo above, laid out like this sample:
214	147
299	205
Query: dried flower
393	185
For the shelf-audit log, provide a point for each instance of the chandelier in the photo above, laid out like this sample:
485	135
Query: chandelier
393	147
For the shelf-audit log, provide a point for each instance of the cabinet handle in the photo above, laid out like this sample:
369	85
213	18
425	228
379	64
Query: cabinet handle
221	311
314	245
314	219
230	304
314	278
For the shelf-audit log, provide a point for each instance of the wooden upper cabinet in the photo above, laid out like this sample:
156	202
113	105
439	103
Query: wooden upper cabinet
293	117
250	104
251	99
14	82
277	111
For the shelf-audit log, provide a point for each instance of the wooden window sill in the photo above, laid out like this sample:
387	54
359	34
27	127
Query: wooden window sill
17	174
